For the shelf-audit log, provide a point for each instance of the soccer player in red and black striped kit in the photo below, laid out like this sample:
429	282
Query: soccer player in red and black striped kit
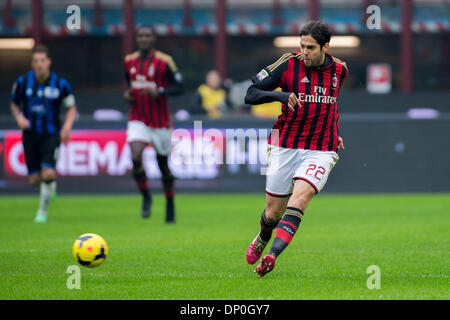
151	76
305	139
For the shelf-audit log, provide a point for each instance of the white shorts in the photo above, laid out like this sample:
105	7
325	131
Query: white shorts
160	138
285	165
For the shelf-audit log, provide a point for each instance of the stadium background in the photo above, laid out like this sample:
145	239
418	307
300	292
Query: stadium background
395	142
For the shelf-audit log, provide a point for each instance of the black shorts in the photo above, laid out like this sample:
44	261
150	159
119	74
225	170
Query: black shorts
41	150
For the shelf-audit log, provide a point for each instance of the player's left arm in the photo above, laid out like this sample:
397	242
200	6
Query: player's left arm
343	77
68	101
344	73
175	80
340	143
71	115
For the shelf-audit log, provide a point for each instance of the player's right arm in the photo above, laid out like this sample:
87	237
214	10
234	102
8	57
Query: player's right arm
22	122
269	78
127	94
17	95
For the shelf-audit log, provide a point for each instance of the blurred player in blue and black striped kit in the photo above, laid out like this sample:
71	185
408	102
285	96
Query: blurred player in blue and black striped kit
36	101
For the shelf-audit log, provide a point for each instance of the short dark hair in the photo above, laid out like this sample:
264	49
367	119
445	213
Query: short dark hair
40	49
318	30
145	26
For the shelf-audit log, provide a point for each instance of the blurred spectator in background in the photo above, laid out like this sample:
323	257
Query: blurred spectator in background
210	97
236	95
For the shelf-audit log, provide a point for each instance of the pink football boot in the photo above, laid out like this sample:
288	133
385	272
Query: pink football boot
267	264
255	250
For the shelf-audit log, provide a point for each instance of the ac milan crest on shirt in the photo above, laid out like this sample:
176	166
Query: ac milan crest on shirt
335	81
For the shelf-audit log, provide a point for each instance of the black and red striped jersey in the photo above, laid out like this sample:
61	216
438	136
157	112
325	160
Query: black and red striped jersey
156	70
314	125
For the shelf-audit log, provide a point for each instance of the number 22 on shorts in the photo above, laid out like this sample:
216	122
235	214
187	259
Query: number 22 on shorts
320	170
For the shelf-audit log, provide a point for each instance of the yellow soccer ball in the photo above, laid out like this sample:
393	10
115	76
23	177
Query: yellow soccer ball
90	250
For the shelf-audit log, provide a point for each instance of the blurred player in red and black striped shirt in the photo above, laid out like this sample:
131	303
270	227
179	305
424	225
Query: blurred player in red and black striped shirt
151	76
305	139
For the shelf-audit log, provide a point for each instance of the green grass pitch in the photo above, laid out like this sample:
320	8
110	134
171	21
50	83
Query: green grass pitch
202	256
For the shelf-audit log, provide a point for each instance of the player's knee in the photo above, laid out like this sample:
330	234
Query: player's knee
163	164
137	150
34	179
301	200
273	215
162	160
137	162
274	211
48	174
